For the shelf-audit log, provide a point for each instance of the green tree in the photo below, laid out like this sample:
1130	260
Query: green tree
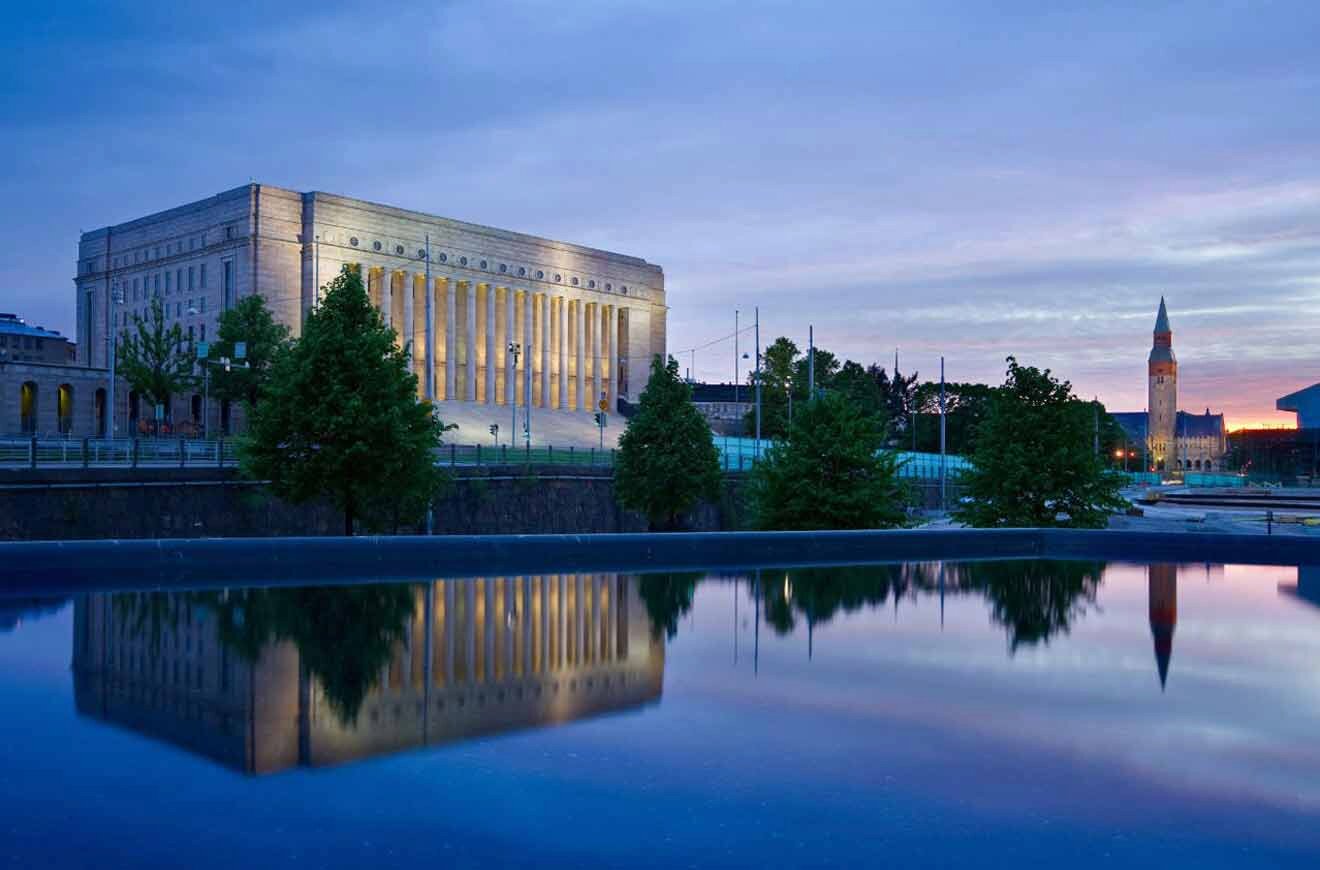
339	417
1034	599
251	322
155	358
830	473
857	385
778	371
667	460
1034	463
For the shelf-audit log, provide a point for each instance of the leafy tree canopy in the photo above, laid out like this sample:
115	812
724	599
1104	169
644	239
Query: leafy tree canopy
155	358
667	460
251	322
339	417
1035	464
830	473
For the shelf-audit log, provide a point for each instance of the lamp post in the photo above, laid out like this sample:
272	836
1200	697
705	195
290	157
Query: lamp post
515	350
116	299
756	454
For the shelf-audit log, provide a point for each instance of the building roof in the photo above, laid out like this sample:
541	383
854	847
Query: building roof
1205	425
1162	319
12	324
706	393
1292	401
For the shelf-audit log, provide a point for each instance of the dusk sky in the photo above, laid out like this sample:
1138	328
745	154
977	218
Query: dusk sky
967	179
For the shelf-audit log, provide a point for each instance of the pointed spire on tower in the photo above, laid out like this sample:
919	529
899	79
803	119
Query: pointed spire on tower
1162	319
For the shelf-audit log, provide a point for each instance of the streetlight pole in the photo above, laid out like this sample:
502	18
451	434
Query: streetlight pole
811	362
943	466
756	455
430	332
514	350
116	298
735	358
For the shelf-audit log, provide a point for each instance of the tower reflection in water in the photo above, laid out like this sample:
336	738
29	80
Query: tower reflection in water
266	679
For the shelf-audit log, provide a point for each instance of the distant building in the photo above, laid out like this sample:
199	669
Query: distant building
1305	403
20	342
1173	439
725	406
1163	607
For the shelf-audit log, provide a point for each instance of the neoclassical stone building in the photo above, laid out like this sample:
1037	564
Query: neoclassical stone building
586	322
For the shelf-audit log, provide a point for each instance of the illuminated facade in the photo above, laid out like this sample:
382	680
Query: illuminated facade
587	322
474	657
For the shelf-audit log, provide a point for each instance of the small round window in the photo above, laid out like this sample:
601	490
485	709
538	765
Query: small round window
558	278
609	287
421	253
575	282
592	284
462	261
444	258
353	241
398	249
522	270
504	267
376	245
483	264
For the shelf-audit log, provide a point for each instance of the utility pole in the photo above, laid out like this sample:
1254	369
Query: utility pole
527	382
116	297
1145	439
735	357
757	449
1095	436
943	503
514	350
811	362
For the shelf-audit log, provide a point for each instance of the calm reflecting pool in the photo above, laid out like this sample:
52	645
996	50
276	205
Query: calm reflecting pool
953	714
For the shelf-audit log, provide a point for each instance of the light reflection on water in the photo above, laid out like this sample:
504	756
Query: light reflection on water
960	712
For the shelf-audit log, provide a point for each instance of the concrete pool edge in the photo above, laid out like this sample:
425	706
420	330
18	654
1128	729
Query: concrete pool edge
67	567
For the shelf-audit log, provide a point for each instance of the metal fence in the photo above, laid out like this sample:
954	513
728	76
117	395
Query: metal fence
736	454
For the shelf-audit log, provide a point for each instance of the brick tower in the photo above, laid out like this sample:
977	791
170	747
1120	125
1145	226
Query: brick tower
1162	406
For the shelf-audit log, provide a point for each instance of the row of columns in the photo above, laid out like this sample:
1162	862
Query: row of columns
492	629
549	325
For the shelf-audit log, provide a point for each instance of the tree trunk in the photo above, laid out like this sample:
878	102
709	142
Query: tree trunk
348	516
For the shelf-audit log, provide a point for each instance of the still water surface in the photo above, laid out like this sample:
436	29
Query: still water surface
989	714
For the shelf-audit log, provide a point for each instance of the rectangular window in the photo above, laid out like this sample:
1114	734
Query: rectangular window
192	244
192	274
155	285
190	332
228	284
135	288
203	276
201	306
203	331
167	283
158	252
178	280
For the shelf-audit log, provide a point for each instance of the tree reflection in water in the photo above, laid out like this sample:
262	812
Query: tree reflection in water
1034	600
344	634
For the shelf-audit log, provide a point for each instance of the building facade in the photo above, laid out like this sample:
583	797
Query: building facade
470	658
585	322
20	342
1172	440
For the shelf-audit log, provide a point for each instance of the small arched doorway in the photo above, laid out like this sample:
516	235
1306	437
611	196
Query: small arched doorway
27	408
64	408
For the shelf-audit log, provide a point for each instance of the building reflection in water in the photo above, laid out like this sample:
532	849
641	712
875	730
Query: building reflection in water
1162	580
294	677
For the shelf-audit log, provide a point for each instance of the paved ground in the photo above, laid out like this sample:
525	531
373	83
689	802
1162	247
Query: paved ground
1202	520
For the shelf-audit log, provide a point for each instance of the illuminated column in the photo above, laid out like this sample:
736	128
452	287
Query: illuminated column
510	333
561	331
545	351
470	352
561	617
488	636
490	344
451	314
409	330
579	341
545	623
529	300
449	630
612	337
386	294
595	354
580	583
470	627
430	340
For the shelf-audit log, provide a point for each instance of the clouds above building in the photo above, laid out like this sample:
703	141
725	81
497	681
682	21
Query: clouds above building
966	179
